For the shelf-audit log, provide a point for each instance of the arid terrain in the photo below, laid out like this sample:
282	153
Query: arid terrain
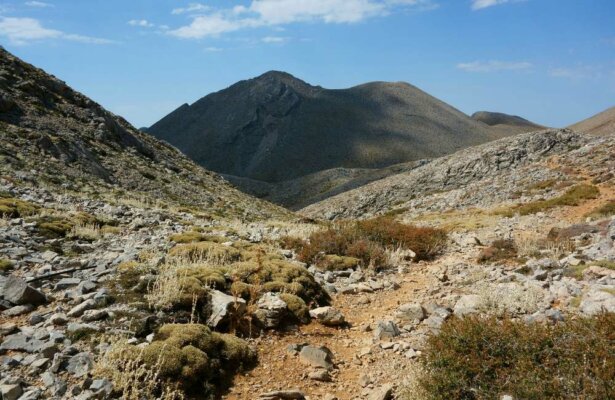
129	271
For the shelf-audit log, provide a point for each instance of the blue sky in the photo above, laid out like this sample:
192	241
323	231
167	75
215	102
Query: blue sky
551	61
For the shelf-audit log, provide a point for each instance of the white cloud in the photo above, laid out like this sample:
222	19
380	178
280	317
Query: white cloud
213	49
21	31
141	22
38	4
578	72
274	39
480	4
273	13
494	65
191	8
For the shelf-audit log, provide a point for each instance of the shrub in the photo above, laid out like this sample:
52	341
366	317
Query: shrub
498	251
5	265
205	252
426	242
368	241
187	237
15	208
572	197
605	210
297	307
475	359
332	262
190	356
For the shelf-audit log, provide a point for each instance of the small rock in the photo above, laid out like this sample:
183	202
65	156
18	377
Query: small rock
320	357
293	394
386	330
328	316
80	364
321	375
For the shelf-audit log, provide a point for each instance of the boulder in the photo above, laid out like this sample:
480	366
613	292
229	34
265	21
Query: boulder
410	312
468	304
17	291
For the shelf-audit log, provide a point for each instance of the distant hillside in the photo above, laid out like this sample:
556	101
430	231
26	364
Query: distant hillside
276	127
55	137
505	122
465	177
599	124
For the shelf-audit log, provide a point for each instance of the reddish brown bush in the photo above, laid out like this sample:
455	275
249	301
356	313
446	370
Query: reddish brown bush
499	250
368	241
476	358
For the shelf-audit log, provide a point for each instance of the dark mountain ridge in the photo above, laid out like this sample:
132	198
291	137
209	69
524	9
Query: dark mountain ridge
276	127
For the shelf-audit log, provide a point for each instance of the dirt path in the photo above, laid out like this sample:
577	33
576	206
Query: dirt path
356	353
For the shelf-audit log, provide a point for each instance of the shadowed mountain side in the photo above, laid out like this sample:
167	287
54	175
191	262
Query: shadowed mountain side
276	127
312	188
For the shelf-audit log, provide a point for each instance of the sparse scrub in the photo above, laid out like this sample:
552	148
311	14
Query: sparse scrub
89	232
188	237
5	265
500	250
606	210
572	197
368	241
486	358
510	298
15	208
205	252
187	357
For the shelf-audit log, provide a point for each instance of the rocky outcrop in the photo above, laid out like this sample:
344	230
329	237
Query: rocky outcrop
446	174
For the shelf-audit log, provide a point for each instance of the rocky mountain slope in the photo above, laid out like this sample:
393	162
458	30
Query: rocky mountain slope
54	137
600	124
276	127
506	122
127	274
297	193
466	177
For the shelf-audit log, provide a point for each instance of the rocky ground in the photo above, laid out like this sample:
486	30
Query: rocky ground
108	237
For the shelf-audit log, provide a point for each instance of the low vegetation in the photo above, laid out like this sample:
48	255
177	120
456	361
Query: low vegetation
572	197
5	265
183	359
500	250
349	244
606	210
15	208
476	358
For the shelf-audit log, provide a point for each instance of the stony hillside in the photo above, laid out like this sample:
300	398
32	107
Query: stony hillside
276	127
127	272
55	138
298	193
466	177
506	122
599	124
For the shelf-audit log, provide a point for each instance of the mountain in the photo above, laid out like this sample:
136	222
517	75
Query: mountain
479	176
506	122
55	136
276	127
599	124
